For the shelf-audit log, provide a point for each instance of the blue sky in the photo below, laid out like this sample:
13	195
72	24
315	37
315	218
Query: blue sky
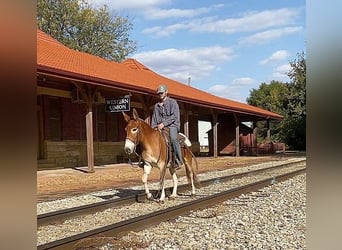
226	48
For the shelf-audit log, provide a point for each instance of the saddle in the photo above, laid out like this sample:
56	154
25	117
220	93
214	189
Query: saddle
182	138
183	141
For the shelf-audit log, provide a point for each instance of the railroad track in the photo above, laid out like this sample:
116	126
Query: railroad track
140	222
61	215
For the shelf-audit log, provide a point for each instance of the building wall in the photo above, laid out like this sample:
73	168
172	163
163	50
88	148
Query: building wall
69	153
63	134
73	120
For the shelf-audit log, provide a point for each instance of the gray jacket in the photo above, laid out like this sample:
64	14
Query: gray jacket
168	114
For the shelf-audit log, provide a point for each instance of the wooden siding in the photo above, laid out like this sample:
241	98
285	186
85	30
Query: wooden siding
63	154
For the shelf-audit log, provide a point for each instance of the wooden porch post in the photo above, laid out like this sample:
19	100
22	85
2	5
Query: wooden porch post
90	138
186	118
255	134
237	135
88	93
268	131
215	131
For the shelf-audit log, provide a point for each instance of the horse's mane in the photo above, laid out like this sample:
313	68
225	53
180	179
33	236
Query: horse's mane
145	123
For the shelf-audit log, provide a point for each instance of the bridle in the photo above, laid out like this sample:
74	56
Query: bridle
135	142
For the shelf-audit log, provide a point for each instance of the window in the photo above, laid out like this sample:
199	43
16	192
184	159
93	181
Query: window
106	125
54	119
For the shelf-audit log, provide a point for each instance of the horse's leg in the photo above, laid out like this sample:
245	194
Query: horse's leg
175	182
162	195
147	171
190	174
162	168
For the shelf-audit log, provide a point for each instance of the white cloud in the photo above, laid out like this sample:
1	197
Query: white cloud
269	35
279	55
250	22
243	81
234	90
159	31
218	88
151	9
180	64
280	73
227	91
129	4
157	13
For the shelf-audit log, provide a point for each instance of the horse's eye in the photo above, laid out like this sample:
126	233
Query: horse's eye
134	130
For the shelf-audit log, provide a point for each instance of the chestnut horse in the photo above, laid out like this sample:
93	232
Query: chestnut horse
154	153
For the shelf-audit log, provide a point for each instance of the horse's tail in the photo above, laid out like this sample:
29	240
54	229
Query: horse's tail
162	175
197	182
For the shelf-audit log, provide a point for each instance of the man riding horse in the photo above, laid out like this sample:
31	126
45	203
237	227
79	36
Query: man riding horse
166	115
155	153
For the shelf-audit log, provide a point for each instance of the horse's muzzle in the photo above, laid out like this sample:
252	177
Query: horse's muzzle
128	151
129	146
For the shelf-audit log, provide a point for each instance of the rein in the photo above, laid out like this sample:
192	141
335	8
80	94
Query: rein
140	161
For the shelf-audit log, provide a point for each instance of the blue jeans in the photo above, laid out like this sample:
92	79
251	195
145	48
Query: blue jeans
175	144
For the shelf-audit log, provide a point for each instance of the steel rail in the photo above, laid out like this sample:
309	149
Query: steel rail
148	220
61	215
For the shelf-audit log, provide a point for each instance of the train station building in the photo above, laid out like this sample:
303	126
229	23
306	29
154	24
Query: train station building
80	98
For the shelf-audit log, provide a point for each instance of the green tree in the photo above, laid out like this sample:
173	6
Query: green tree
294	125
272	97
81	27
287	99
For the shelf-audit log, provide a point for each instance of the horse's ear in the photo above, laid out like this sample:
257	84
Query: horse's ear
135	114
127	118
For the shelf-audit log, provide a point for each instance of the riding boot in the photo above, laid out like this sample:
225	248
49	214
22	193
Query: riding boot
176	147
179	165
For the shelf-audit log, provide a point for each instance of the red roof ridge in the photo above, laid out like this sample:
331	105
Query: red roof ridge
48	38
134	64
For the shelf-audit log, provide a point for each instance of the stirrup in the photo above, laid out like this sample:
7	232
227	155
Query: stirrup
178	165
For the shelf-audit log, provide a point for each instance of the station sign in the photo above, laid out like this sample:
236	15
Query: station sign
118	104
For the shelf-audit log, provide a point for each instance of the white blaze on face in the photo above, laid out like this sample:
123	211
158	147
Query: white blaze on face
129	146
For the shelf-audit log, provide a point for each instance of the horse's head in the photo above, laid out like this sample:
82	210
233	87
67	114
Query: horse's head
132	131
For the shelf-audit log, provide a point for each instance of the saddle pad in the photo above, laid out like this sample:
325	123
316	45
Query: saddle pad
184	139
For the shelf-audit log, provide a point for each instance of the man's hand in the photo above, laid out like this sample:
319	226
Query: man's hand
161	126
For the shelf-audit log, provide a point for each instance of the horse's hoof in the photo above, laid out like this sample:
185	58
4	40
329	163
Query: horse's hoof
159	201
172	197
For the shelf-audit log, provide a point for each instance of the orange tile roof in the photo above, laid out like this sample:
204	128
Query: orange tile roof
55	58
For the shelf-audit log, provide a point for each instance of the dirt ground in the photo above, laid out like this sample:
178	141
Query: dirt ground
60	183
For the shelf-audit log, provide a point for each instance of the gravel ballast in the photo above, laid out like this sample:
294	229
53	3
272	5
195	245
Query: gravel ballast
273	218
